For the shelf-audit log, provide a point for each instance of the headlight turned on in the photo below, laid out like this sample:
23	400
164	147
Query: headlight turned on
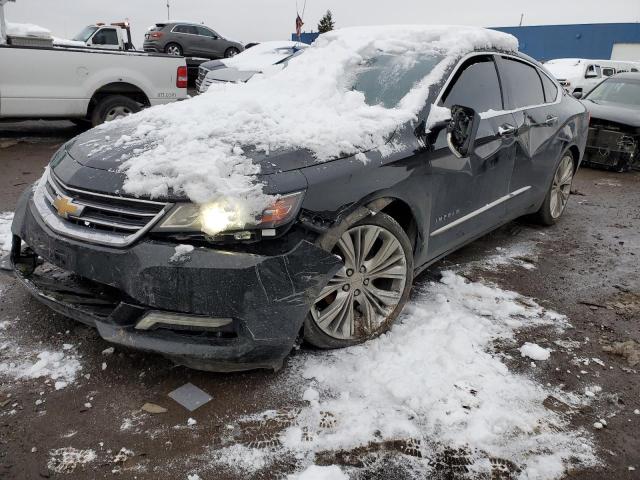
218	217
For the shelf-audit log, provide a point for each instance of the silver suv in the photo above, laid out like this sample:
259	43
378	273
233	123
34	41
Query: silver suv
189	40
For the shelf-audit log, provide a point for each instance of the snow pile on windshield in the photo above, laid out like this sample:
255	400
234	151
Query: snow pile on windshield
27	30
435	389
264	54
201	147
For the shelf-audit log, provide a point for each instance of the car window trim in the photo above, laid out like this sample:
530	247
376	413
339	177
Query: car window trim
464	60
185	33
515	57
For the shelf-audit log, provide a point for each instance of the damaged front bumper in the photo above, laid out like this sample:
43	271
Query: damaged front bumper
233	311
612	147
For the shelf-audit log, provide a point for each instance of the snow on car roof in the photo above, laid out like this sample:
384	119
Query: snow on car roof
197	147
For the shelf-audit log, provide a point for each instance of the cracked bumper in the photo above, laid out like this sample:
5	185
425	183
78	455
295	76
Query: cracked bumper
267	297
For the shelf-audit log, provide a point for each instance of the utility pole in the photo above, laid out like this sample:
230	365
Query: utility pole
521	17
168	12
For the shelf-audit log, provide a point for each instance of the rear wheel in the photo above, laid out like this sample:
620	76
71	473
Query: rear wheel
558	195
112	108
368	293
173	49
231	52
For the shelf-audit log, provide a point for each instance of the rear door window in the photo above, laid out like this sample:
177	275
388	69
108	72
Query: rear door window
550	89
607	71
523	82
190	29
475	85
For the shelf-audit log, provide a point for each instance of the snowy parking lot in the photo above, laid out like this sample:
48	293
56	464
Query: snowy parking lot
517	358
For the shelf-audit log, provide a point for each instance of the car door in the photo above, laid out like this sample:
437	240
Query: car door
106	38
210	43
187	37
534	99
469	193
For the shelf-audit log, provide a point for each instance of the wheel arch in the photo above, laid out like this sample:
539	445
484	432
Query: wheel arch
125	89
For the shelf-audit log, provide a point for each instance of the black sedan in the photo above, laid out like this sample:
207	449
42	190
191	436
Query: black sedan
333	258
614	132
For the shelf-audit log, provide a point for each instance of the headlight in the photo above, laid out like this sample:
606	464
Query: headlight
217	217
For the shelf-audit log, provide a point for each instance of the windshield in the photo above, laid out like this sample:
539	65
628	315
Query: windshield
386	79
85	34
616	91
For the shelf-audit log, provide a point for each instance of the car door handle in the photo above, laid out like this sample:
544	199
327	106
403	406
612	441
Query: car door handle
551	120
506	130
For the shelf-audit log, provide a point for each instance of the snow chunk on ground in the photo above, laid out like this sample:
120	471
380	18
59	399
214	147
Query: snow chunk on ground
5	231
315	472
65	460
181	253
435	382
27	30
203	147
63	367
535	352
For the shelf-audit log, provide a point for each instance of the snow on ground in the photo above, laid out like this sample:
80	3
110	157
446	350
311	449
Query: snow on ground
66	460
60	368
5	231
436	381
315	472
202	147
535	352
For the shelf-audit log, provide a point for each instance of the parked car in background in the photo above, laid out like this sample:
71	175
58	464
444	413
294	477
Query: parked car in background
580	76
304	204
614	131
243	67
83	84
189	40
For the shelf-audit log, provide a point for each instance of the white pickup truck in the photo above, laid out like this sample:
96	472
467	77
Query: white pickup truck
84	84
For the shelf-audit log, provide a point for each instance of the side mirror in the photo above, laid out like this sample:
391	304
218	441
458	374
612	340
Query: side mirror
462	130
577	95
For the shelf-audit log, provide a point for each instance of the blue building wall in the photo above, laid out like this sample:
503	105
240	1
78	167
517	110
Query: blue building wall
593	40
544	42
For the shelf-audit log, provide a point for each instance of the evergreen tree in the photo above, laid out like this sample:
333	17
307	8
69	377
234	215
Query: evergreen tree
326	23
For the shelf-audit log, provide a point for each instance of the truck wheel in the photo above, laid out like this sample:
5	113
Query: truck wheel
231	52
113	107
173	49
365	296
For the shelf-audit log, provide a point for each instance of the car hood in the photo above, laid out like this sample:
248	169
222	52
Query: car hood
100	148
231	74
614	112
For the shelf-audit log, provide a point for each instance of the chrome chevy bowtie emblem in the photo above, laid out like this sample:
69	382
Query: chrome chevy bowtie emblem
65	207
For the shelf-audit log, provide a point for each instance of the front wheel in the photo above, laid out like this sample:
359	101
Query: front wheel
558	195
368	293
231	52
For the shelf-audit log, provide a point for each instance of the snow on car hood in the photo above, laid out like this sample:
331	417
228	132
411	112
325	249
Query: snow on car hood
197	147
565	68
262	55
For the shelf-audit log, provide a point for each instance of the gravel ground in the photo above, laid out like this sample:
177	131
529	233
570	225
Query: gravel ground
586	267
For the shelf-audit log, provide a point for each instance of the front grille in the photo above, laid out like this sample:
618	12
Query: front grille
202	73
610	145
105	218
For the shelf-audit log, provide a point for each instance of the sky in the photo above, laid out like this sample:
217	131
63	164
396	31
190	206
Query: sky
260	20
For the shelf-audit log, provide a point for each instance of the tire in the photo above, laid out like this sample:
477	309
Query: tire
112	107
173	49
231	52
559	191
352	293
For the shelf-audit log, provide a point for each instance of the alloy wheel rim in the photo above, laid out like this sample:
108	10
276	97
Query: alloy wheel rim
117	112
173	50
361	296
561	187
